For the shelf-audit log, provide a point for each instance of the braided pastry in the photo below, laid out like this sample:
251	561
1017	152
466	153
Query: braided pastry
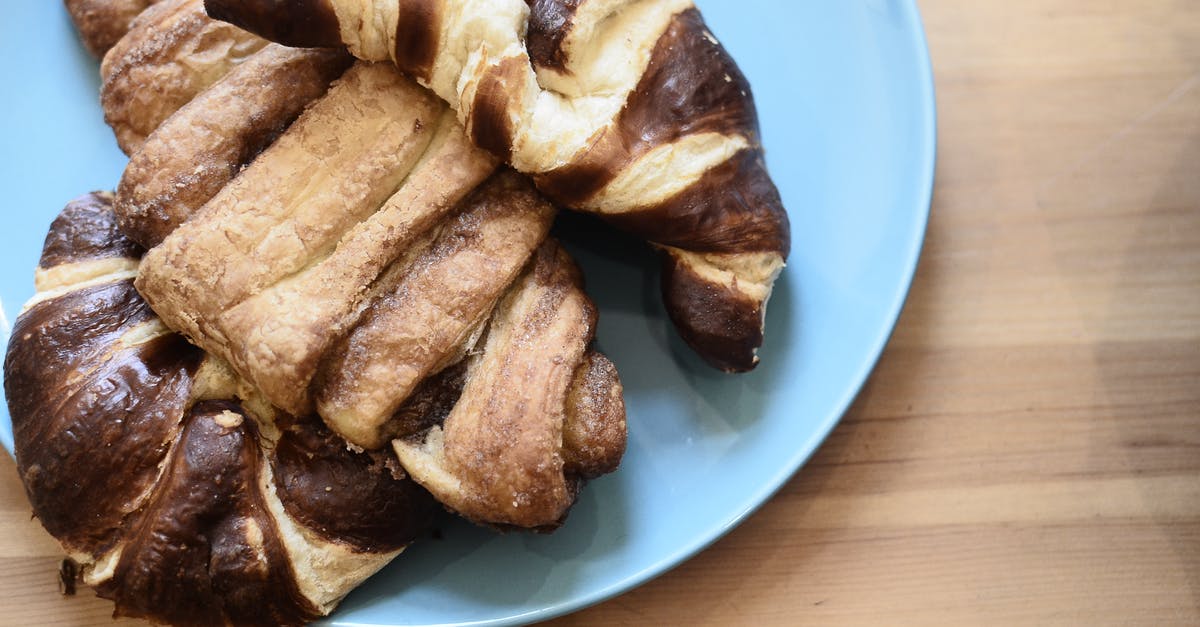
173	52
630	109
355	264
185	497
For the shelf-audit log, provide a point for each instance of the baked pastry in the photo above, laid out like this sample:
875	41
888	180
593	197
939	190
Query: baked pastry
172	53
183	496
102	23
629	109
496	458
355	265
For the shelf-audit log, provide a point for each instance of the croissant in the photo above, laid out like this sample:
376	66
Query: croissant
629	109
184	496
356	264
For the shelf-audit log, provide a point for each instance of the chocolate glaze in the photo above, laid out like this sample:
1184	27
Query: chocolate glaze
491	128
418	30
347	497
86	229
549	23
722	325
690	86
733	208
91	422
207	530
297	23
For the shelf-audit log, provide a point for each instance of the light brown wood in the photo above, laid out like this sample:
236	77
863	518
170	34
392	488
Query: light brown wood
1028	451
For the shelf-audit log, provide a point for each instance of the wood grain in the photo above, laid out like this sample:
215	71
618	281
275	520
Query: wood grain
1028	451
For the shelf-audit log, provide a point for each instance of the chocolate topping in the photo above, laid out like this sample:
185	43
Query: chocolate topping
86	229
298	23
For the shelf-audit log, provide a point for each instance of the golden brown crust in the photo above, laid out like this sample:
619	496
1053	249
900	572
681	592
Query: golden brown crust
314	241
172	53
423	322
102	23
200	148
594	431
358	259
503	455
629	109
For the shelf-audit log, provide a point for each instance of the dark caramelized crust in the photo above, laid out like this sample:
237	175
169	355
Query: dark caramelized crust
725	322
702	219
140	458
491	128
101	23
86	230
417	32
356	262
207	528
690	86
86	456
304	23
360	499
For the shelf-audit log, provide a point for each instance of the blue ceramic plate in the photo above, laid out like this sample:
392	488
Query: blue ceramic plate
846	101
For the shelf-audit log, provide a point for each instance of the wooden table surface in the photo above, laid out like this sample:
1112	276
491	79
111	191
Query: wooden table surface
1028	450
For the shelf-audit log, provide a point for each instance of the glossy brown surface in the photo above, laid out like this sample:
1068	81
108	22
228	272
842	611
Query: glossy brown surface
87	452
727	324
549	24
688	103
361	499
418	29
491	128
1025	453
165	500
202	550
701	219
690	86
86	230
302	23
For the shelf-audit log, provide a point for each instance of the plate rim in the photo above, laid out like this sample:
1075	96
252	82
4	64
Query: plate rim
768	489
926	152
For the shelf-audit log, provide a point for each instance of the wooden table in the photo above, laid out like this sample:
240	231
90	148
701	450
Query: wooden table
1028	451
